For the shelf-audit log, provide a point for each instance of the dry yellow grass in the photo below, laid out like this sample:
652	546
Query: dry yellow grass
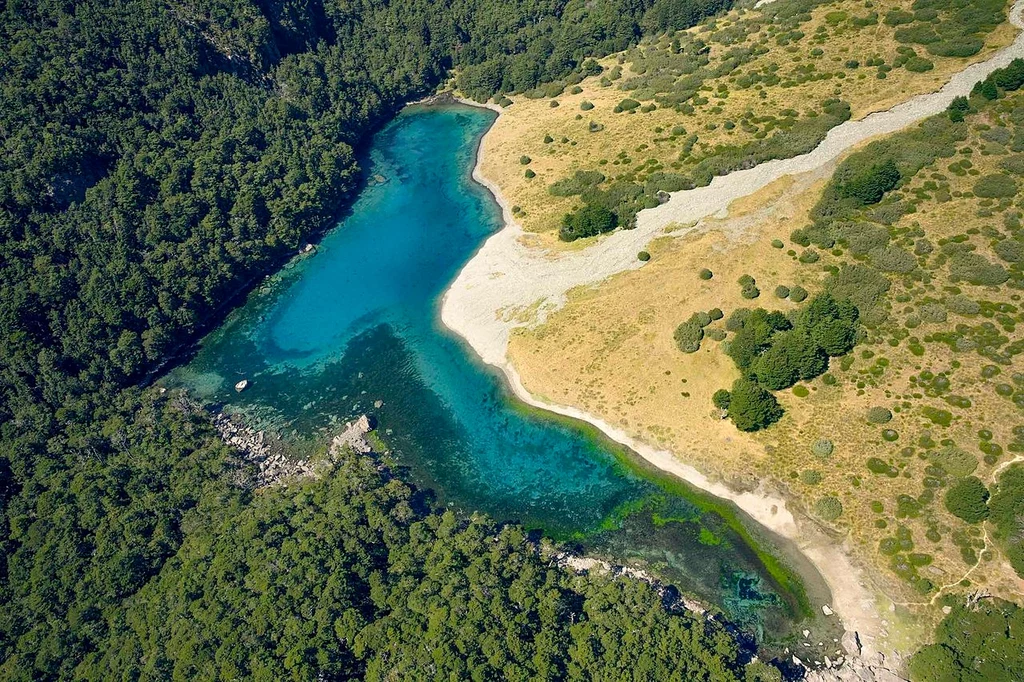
521	130
610	351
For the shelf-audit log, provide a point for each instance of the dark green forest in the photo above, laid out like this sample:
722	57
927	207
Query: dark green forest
158	159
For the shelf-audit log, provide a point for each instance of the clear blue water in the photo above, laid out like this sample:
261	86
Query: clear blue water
355	329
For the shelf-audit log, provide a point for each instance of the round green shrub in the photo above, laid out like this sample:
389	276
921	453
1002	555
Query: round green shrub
715	313
823	448
961	305
626	105
890	435
777	244
828	508
548	139
525	160
586	106
798	294
553	104
705	274
810	477
879	415
643	256
782	291
530	174
801	391
721	399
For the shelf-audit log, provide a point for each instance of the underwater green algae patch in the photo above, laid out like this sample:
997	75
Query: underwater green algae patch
785	579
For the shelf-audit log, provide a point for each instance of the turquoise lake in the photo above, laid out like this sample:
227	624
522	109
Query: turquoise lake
355	329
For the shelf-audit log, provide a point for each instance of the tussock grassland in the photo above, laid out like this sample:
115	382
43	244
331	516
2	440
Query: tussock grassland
702	96
941	353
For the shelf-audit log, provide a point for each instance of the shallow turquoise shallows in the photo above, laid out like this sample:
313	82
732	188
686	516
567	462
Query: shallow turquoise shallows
355	328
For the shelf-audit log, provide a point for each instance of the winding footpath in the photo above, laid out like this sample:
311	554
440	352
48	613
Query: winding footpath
506	278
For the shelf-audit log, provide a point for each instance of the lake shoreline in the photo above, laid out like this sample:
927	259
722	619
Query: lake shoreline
506	277
844	579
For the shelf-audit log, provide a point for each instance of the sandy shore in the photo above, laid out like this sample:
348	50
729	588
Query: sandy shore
506	277
852	600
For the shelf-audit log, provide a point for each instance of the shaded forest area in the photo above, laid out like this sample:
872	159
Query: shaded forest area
157	158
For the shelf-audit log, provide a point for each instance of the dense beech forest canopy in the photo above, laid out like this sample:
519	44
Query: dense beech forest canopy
157	158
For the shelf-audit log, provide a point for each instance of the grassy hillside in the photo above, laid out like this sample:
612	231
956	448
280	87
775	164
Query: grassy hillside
900	443
742	88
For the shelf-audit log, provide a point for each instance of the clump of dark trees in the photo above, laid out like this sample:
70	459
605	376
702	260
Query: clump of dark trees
775	351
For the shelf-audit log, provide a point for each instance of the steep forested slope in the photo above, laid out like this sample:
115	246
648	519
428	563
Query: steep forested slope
156	158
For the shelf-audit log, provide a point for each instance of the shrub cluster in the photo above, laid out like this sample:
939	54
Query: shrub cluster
689	334
749	287
970	640
774	351
586	222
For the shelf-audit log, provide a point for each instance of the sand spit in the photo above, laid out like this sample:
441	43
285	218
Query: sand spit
506	278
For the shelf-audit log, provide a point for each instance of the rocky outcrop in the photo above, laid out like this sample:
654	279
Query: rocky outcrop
273	465
857	668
